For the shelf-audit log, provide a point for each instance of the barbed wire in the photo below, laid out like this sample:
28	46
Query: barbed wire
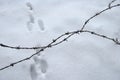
65	37
18	47
98	13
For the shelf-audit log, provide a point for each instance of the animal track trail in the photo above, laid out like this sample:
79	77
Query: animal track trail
33	19
39	68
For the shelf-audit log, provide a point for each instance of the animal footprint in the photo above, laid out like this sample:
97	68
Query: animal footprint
41	24
33	72
29	5
39	68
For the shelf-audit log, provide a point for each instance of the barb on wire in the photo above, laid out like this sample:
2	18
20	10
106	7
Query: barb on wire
64	37
12	64
98	13
18	47
109	5
85	23
103	36
42	49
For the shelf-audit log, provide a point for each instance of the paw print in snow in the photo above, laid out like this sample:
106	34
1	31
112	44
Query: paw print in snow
39	68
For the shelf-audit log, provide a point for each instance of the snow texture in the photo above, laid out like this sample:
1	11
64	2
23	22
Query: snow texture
82	57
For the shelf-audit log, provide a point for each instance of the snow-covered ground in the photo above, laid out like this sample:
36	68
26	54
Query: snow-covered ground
83	57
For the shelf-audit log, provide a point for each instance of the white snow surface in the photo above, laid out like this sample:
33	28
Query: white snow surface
82	57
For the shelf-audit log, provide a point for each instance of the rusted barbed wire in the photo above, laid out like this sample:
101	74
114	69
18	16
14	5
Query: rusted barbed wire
66	36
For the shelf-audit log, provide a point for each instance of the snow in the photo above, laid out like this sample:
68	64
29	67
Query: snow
83	57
